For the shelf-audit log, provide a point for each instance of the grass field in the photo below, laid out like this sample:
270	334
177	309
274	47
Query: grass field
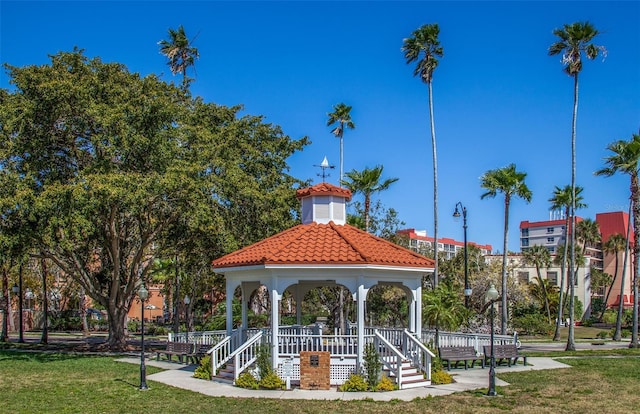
35	382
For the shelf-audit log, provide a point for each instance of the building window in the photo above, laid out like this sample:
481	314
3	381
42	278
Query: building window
525	242
550	239
523	277
525	232
549	230
551	249
552	277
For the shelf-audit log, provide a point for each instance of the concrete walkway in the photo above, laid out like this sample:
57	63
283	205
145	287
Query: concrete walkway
181	376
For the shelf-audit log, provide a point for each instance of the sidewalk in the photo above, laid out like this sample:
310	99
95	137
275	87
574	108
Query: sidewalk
181	376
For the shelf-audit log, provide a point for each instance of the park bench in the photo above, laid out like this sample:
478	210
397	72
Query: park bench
458	354
199	353
182	350
504	353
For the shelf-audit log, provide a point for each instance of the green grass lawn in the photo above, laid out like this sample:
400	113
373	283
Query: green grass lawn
62	383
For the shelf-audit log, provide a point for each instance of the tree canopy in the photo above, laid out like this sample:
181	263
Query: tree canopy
106	170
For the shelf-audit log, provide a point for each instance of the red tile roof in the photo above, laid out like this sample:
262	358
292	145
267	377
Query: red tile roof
324	244
324	189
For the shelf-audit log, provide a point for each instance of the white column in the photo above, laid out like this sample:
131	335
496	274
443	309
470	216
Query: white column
418	306
298	297
245	304
412	311
362	294
275	325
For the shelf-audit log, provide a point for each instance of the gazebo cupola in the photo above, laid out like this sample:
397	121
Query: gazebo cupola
323	203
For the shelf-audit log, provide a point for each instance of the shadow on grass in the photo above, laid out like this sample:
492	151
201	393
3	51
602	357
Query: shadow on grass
40	356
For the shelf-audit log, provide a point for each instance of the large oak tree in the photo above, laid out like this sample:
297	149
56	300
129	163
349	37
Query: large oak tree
113	169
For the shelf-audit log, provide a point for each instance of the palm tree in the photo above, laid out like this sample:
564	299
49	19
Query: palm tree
539	257
614	245
424	47
626	155
511	183
561	200
574	40
367	182
180	52
342	116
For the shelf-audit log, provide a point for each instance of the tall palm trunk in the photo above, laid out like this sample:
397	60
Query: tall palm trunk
505	313
556	335
435	186
83	312
617	336
571	346
613	282
635	199
341	153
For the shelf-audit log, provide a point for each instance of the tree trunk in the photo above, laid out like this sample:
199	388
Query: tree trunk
44	339
83	312
556	335
435	187
117	323
571	346
505	314
617	336
635	198
613	282
4	336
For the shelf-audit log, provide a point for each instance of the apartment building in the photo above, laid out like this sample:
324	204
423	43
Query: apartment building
421	243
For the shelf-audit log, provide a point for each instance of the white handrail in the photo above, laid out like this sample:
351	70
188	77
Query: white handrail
246	354
391	352
420	355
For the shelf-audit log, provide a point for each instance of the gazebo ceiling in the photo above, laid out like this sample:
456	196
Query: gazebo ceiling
324	244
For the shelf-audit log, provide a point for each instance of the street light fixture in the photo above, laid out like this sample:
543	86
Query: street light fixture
17	290
456	215
492	295
187	301
143	294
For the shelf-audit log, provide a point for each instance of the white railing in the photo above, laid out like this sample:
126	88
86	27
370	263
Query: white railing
223	350
419	354
246	355
389	354
467	339
337	345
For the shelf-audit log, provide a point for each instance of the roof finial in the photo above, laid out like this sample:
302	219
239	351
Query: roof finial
324	165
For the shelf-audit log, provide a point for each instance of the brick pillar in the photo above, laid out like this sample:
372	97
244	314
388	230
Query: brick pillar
315	370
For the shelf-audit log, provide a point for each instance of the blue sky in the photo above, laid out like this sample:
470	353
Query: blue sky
498	97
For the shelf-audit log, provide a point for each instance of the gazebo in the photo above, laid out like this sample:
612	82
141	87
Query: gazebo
324	251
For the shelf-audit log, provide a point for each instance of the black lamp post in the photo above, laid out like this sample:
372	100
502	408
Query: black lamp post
492	295
17	290
143	294
187	301
467	289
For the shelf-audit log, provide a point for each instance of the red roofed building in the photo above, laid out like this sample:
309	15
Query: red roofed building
420	242
325	251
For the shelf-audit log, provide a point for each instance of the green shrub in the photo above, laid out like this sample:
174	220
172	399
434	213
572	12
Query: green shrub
602	335
624	333
441	377
386	384
271	381
372	365
610	316
263	361
203	371
355	383
248	381
533	324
